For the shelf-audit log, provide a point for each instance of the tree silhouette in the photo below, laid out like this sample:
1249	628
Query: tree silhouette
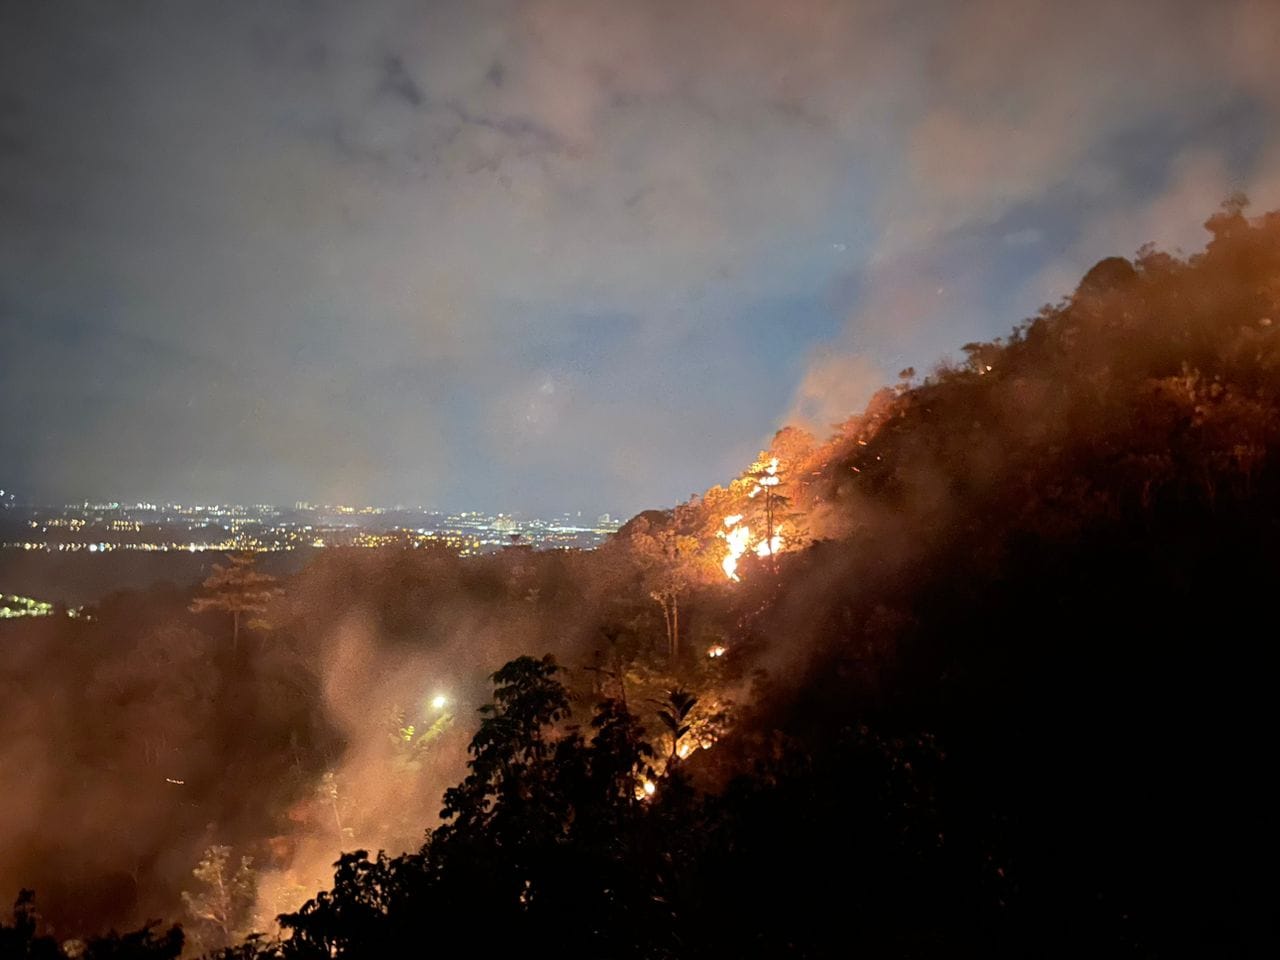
21	939
238	589
547	828
674	716
506	750
24	940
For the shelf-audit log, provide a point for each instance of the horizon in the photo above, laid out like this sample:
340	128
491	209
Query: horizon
128	503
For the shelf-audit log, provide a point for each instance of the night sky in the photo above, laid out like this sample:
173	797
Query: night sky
561	255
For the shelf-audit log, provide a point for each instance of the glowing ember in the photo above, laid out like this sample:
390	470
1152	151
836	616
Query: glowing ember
650	788
716	651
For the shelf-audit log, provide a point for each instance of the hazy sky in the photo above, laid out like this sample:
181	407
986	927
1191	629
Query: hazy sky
552	255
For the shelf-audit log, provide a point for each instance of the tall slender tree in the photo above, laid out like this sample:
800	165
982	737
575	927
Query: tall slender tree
668	557
239	589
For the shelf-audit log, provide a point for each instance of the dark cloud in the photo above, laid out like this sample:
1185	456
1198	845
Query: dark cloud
397	82
297	250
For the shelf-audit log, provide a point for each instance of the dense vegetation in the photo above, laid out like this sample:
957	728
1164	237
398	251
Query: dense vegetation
997	688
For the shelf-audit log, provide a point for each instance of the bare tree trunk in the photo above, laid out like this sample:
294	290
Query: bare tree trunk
337	817
768	519
675	628
768	514
235	632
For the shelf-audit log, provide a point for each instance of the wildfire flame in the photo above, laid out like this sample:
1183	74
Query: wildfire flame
737	538
767	548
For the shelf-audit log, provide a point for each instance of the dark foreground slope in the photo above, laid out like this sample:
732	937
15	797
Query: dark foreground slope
1060	563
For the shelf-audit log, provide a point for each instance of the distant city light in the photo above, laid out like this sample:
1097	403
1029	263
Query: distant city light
106	526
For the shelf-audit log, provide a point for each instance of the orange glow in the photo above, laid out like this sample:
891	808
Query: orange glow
770	478
736	539
767	548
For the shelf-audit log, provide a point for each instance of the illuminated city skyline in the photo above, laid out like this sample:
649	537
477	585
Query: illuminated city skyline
104	526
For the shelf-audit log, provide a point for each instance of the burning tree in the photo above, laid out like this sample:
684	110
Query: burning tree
238	589
758	518
765	475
